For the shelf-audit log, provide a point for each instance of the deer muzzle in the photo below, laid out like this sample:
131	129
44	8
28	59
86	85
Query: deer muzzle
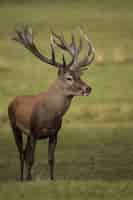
86	91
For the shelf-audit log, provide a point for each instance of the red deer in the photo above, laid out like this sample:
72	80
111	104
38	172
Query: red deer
40	116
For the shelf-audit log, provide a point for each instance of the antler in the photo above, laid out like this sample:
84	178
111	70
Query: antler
75	51
60	41
25	37
87	60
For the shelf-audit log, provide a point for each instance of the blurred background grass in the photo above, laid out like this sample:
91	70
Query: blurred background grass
107	23
96	139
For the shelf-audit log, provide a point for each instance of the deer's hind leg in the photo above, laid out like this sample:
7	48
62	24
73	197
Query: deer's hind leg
19	142
18	138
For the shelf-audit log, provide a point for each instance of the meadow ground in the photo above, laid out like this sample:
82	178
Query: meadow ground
94	157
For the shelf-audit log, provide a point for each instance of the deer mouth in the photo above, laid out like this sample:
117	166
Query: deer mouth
85	94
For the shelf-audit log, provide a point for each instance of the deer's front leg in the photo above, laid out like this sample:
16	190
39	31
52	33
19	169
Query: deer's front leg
51	154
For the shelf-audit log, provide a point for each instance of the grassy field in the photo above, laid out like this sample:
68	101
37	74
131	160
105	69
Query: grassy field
94	157
94	163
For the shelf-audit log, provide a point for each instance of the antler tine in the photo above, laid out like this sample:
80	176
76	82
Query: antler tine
87	60
25	37
19	37
28	35
55	35
62	44
91	51
64	61
80	44
73	42
90	46
52	51
61	41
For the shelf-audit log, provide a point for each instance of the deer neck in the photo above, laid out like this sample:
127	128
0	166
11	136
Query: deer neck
56	98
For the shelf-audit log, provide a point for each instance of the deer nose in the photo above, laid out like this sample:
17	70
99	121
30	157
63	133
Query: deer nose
87	91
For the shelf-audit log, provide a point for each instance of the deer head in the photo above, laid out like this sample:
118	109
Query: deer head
68	73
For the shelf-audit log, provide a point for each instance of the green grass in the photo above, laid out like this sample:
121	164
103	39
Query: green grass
69	190
94	157
94	163
82	154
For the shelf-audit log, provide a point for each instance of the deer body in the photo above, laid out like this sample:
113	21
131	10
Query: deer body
40	116
48	107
